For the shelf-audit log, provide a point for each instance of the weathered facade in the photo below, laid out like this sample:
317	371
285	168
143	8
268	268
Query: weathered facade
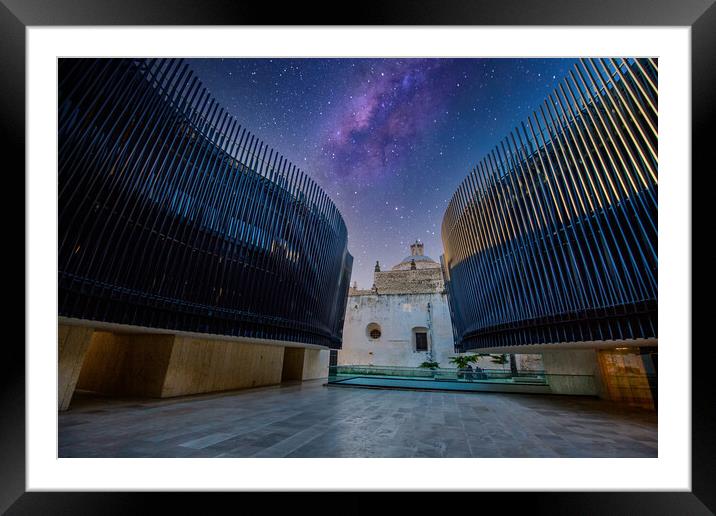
403	320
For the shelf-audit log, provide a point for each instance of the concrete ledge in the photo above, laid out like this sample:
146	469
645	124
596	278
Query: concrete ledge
556	346
128	328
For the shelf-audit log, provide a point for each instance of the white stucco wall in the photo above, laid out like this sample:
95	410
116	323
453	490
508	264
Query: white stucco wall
397	315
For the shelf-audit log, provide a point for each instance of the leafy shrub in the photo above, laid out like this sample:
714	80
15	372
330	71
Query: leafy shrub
432	364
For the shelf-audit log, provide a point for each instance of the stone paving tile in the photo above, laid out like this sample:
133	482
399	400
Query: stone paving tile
311	420
208	440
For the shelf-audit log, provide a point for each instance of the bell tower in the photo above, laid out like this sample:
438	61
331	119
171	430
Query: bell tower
416	249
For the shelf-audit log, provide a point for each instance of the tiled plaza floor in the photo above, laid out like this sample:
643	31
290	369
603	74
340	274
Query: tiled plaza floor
311	420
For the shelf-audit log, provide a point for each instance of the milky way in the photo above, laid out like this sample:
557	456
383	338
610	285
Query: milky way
385	118
388	139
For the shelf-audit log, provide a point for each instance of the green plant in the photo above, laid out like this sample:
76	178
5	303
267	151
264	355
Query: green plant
500	359
430	364
462	361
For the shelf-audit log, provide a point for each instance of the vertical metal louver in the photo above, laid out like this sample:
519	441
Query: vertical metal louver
553	236
173	215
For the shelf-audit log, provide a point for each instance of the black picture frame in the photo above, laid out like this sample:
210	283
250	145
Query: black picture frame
700	15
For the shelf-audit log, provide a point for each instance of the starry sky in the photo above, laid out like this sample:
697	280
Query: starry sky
388	139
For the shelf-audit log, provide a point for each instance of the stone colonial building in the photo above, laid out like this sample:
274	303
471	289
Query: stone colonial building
403	320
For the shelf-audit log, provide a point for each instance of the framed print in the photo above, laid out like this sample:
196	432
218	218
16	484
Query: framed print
423	249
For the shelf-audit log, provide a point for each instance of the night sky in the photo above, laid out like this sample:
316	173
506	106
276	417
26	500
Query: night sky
388	139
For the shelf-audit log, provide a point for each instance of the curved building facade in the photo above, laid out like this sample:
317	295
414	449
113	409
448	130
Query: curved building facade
552	238
172	215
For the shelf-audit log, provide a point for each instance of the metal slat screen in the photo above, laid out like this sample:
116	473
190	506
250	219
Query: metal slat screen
173	215
553	236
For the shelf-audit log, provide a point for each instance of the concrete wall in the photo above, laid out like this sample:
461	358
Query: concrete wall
315	364
129	364
164	365
529	362
397	315
304	364
72	345
207	365
292	364
573	371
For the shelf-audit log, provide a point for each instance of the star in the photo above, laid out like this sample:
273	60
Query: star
395	137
